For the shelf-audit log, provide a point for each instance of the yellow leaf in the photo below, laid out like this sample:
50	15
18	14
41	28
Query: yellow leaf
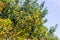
1	6
9	28
1	33
37	11
36	14
29	18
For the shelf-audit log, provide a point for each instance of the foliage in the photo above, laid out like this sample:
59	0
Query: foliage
20	22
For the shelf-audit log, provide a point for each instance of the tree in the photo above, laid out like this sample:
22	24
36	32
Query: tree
20	22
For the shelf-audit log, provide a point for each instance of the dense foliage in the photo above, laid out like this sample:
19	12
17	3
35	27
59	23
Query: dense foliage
20	20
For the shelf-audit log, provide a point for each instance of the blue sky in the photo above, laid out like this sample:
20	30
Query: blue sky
53	16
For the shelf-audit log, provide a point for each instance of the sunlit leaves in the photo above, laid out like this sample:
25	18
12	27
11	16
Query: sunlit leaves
23	22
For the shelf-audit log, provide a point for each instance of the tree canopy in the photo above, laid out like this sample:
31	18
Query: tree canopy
20	20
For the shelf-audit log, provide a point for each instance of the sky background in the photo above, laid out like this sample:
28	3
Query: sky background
53	15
